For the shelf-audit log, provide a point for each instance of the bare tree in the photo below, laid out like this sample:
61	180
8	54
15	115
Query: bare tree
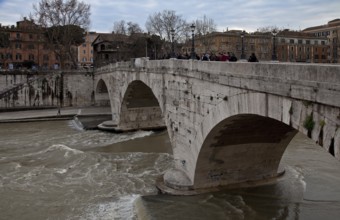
66	22
161	24
126	28
119	27
269	29
133	28
205	26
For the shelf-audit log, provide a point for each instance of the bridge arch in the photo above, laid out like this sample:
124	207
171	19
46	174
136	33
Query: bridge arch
241	148
102	97
140	108
216	159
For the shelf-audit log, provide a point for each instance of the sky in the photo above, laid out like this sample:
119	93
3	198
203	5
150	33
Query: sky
246	15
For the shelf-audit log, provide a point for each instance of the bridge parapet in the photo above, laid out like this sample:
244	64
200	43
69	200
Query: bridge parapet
309	82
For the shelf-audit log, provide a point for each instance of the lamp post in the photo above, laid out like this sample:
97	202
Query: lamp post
193	56
172	43
243	56
118	53
274	57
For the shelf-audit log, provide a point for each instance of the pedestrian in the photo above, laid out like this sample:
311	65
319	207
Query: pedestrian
58	111
253	58
233	58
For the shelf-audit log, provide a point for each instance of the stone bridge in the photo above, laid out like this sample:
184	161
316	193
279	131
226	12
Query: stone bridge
228	123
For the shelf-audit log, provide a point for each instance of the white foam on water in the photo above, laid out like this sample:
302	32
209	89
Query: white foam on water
122	209
61	171
61	147
297	174
76	124
130	136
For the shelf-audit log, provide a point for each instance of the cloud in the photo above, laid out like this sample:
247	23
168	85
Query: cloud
240	14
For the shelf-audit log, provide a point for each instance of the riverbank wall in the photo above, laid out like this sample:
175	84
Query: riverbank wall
36	90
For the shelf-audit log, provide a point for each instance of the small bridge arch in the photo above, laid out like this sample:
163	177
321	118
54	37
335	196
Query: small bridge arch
140	108
102	97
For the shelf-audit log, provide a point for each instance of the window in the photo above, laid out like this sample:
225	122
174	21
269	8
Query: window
18	56
283	40
307	41
84	51
18	35
316	42
91	51
323	42
84	45
291	41
31	46
18	46
84	59
299	41
31	36
31	57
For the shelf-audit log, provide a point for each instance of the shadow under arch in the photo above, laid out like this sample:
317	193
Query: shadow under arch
102	97
140	108
242	148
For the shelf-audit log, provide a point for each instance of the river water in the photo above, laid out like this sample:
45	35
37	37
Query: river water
56	170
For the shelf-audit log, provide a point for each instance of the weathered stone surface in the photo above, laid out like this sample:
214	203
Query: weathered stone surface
46	89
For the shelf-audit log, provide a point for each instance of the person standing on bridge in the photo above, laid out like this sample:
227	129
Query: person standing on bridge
253	58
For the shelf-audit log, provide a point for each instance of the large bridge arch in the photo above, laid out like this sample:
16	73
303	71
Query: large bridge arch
241	148
140	108
204	167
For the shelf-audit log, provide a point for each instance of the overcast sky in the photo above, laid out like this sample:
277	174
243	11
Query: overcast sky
233	14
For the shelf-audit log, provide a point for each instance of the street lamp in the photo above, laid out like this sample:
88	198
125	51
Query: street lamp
243	56
118	53
172	43
274	57
193	56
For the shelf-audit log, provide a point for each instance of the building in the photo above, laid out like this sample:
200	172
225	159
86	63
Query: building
85	51
296	46
24	46
232	41
331	31
110	48
290	46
